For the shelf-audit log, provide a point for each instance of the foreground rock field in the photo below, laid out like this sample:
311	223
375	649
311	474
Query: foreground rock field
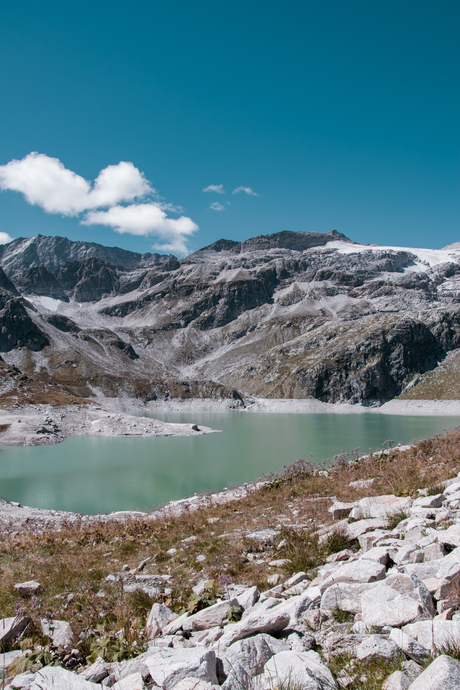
359	589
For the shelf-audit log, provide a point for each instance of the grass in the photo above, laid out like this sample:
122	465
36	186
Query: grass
394	519
72	564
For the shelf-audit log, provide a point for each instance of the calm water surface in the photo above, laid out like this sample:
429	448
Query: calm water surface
91	474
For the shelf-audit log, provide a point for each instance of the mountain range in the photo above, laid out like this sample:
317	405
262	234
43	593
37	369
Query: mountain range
287	315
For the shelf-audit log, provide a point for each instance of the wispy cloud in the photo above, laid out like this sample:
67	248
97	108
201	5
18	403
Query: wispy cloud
217	207
217	188
5	238
246	190
46	182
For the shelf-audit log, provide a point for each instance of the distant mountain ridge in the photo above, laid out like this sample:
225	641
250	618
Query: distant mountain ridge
287	315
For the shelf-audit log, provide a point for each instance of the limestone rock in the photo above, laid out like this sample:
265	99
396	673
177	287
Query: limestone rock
132	682
57	678
379	507
252	654
377	647
346	597
397	681
397	601
208	617
359	571
29	588
298	669
159	617
442	674
60	632
170	666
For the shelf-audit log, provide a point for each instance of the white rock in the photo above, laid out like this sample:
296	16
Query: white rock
175	625
57	678
96	672
340	510
208	617
434	552
429	501
132	682
252	654
379	506
433	634
346	597
368	539
356	529
22	681
159	617
442	674
399	600
170	666
380	554
295	579
362	570
248	597
193	684
450	536
448	568
409	646
295	607
269	621
60	632
397	681
27	589
452	488
305	670
377	647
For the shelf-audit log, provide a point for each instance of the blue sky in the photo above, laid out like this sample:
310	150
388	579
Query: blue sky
335	113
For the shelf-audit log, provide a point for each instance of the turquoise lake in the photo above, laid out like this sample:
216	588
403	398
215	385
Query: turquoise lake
96	474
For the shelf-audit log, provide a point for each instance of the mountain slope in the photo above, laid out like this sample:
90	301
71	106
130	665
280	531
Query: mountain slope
283	315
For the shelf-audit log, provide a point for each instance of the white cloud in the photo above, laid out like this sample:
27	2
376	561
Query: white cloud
5	238
45	182
145	220
217	188
246	190
217	207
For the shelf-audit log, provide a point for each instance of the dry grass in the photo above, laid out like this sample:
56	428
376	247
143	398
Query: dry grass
72	564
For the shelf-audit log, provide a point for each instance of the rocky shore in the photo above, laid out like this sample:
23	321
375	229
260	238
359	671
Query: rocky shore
33	425
381	611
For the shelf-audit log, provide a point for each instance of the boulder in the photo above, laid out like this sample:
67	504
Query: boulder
397	681
379	507
59	632
377	647
29	588
208	617
442	674
268	621
356	529
169	666
252	654
57	678
340	510
380	554
450	536
305	670
409	646
362	570
346	597
132	682
159	617
247	597
433	635
399	600
10	628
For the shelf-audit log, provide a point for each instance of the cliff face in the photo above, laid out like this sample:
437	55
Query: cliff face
284	315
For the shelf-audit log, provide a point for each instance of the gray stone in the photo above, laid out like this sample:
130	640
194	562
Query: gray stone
377	647
442	674
346	597
194	684
379	506
57	678
248	597
22	681
399	600
29	588
268	621
132	682
170	666
409	646
450	536
429	501
11	627
252	654
360	571
356	529
208	617
159	617
96	672
296	669
397	681
59	632
433	635
340	510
